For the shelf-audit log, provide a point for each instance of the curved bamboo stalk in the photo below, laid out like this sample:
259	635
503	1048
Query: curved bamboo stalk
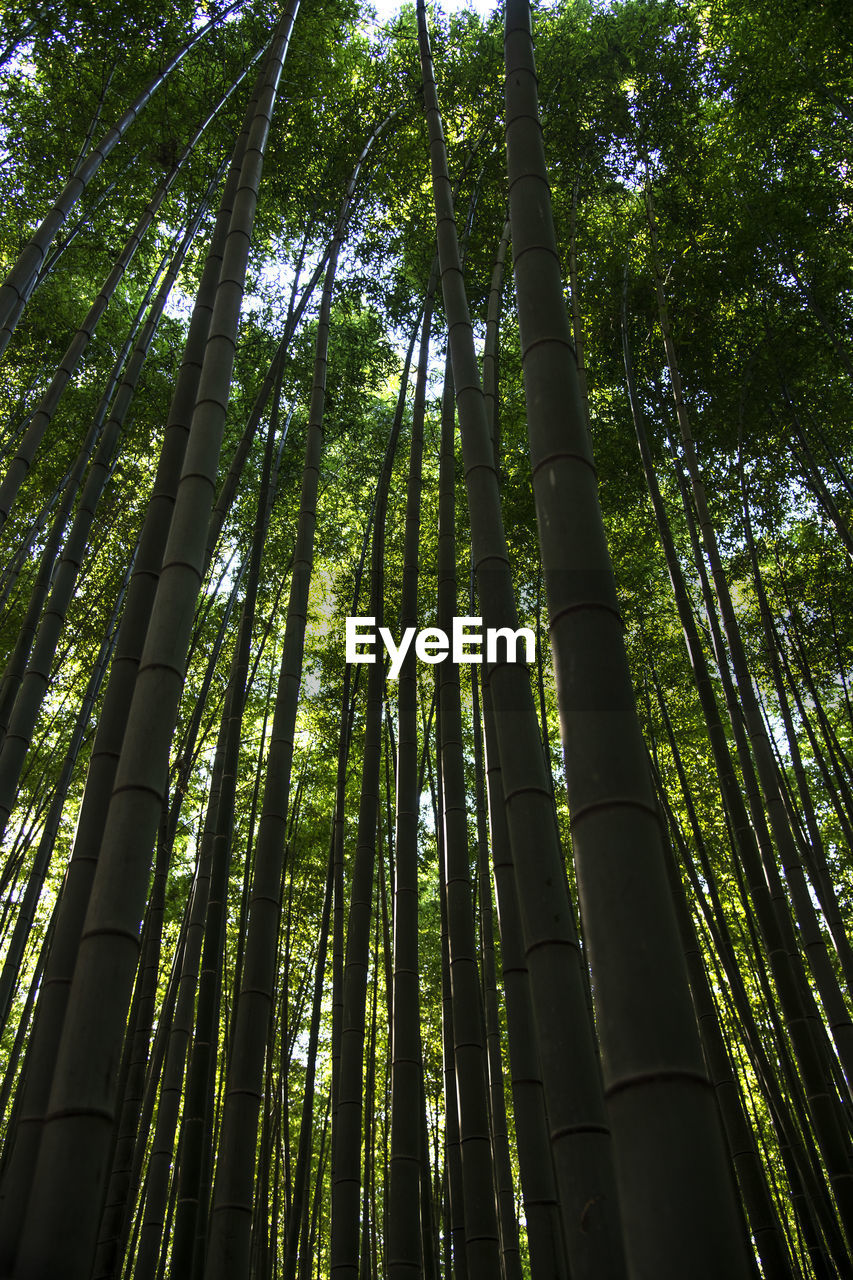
36	680
19	284
42	416
60	1227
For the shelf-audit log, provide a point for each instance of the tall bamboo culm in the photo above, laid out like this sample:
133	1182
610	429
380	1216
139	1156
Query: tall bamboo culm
675	1183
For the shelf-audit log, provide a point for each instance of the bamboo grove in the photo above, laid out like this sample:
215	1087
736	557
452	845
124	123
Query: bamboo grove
445	970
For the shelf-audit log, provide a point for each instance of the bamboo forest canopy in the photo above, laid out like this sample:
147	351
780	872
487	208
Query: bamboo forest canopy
445	970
